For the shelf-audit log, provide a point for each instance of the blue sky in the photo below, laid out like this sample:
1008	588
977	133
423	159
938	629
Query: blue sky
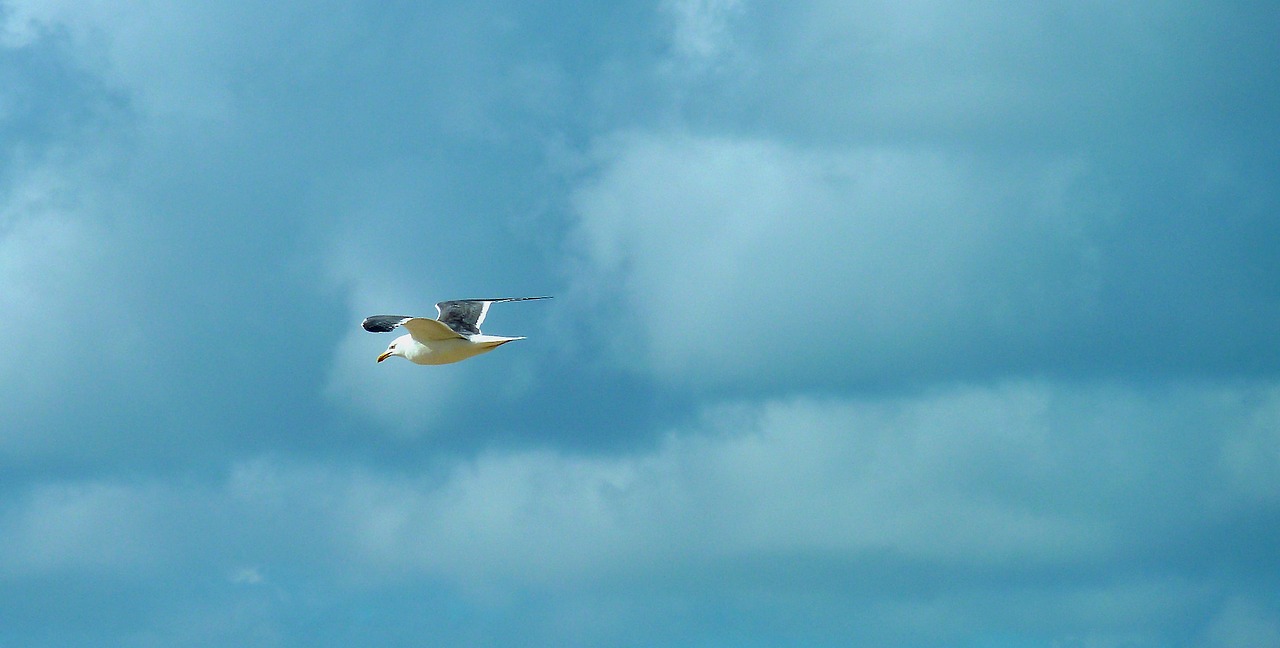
876	324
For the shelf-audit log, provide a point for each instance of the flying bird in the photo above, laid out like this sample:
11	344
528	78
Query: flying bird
454	335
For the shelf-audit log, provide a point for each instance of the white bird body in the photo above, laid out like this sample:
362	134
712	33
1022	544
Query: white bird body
438	352
452	337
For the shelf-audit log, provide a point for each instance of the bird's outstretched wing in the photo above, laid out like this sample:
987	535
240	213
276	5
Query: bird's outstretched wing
465	316
383	323
421	328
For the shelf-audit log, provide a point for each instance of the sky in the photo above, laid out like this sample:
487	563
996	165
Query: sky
879	324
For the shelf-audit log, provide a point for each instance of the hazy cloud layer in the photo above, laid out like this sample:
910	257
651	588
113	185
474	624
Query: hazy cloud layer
912	506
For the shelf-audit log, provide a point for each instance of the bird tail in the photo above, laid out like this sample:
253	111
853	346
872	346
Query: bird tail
495	341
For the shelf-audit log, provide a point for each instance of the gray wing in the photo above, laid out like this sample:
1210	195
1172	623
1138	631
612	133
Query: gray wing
383	323
422	329
466	315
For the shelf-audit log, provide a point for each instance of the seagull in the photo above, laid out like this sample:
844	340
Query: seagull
454	335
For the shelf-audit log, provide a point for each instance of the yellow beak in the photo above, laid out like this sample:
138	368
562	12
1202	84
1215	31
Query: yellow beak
384	356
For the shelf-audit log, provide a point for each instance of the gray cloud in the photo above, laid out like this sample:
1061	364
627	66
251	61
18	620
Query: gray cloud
940	501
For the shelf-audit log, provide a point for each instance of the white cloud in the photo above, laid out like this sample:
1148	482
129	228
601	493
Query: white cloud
1026	474
1009	484
750	259
85	527
164	53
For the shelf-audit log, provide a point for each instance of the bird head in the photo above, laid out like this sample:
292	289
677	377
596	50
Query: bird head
397	348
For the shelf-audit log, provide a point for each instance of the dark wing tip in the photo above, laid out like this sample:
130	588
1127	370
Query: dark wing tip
382	323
